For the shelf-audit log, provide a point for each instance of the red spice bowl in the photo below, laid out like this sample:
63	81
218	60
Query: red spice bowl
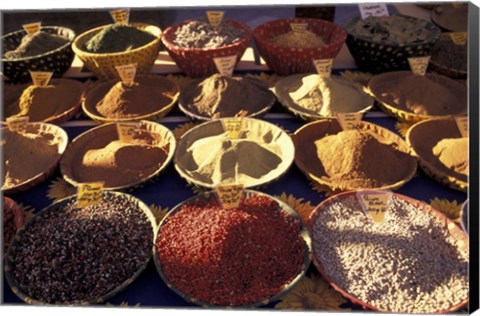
246	256
198	62
287	61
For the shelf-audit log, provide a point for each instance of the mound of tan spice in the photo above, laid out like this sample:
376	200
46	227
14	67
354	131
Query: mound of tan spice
453	154
221	96
26	155
357	159
298	39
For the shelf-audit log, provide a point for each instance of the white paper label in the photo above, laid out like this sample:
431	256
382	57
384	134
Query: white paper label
225	65
230	196
127	72
348	120
41	78
375	203
373	9
89	194
419	65
32	28
459	38
233	126
215	17
120	16
323	67
126	131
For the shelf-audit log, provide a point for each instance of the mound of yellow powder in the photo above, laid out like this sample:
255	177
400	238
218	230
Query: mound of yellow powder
453	154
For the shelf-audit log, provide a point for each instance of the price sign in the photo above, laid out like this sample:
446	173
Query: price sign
298	27
348	120
419	65
32	28
120	16
89	194
17	123
225	65
375	203
215	17
126	131
323	67
230	196
233	127
373	9
459	38
41	78
462	123
127	73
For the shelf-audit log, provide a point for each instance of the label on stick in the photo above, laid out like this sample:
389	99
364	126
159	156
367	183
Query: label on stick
323	67
462	123
126	131
373	9
120	16
233	126
32	28
89	194
127	72
348	120
41	78
230	196
298	27
17	123
459	38
215	17
375	203
225	65
419	65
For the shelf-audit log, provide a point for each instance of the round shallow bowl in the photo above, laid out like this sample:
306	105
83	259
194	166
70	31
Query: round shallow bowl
287	61
380	56
205	197
18	218
255	130
451	18
68	110
198	62
392	107
100	136
166	87
454	230
283	86
62	140
103	65
423	137
307	160
58	61
183	104
101	299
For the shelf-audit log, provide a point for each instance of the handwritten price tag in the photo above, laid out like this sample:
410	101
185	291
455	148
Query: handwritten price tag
230	196
459	38
126	131
41	78
348	120
89	194
17	123
462	123
375	203
373	9
225	65
215	17
120	16
419	65
127	73
323	67
233	127
298	27
32	28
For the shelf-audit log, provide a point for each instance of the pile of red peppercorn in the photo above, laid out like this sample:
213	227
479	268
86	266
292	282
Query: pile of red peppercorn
233	257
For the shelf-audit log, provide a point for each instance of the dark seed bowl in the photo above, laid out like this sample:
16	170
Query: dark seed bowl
58	60
98	300
378	56
205	197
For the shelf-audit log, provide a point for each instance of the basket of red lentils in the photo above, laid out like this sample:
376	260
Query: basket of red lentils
289	46
245	256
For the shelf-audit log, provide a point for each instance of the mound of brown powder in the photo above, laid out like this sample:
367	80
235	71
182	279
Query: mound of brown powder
453	154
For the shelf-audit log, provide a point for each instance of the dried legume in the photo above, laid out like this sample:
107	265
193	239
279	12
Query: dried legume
231	257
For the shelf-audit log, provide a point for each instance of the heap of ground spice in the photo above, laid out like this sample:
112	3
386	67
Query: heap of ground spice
453	154
118	38
425	95
231	257
298	39
105	158
315	95
201	34
42	102
26	155
73	255
142	97
221	96
357	159
36	44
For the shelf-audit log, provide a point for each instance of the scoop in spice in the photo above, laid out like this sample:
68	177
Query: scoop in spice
36	44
